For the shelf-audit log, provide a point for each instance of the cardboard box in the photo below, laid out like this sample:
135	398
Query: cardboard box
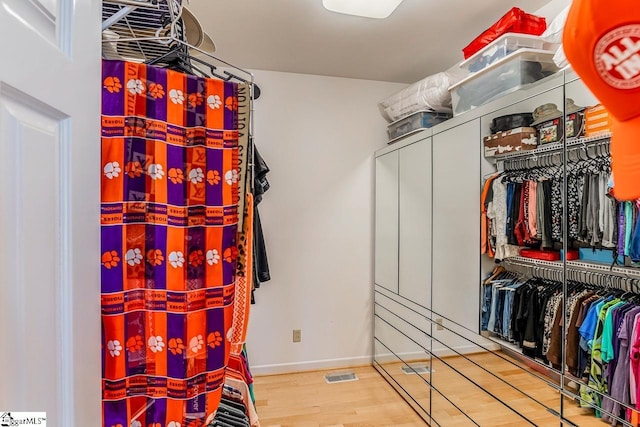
510	141
597	121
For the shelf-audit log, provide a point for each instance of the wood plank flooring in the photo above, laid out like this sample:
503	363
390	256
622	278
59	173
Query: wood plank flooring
306	400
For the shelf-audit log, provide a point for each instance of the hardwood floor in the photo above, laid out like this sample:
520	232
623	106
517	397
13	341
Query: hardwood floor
306	400
522	399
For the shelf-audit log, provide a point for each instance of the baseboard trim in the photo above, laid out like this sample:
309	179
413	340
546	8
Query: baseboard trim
311	365
351	362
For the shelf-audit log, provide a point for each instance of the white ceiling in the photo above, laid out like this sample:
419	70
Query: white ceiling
420	38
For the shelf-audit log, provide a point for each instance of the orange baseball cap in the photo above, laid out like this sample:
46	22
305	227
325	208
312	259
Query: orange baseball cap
602	43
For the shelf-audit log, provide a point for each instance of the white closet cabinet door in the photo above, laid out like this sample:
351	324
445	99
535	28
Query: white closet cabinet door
386	239
456	223
415	222
49	209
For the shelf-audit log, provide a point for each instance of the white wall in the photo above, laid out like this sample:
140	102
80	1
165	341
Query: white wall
552	9
318	135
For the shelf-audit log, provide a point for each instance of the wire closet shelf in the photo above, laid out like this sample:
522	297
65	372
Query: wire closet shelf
150	30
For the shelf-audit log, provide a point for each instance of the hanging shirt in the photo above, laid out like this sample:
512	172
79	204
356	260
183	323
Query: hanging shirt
556	209
634	249
597	382
512	212
628	228
621	228
593	214
608	334
547	238
609	236
588	328
485	245
634	357
498	212
573	203
533	186
619	389
602	194
573	336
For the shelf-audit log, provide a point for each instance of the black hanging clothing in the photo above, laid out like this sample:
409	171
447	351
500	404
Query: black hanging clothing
260	182
547	231
261	264
515	212
260	186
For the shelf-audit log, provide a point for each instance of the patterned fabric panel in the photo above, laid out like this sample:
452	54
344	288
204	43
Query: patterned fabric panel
169	231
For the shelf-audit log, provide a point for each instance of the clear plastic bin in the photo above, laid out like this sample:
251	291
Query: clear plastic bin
415	122
507	75
502	47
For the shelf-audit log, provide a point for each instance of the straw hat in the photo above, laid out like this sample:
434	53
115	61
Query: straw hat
207	46
193	32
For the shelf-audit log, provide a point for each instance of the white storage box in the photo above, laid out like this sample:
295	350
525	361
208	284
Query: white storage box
500	48
507	75
415	122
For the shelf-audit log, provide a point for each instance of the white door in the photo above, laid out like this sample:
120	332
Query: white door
456	229
414	263
386	228
49	209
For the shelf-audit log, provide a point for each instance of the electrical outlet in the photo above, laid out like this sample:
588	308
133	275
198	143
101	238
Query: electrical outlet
297	335
439	327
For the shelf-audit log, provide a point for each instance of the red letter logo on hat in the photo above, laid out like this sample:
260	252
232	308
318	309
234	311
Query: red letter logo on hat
617	57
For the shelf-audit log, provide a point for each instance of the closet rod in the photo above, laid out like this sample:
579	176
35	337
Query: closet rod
554	148
577	271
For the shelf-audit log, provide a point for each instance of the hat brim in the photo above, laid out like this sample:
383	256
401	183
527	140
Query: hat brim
550	116
574	109
208	46
625	158
192	28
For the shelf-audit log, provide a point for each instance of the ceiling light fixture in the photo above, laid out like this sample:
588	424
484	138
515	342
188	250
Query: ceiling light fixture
378	9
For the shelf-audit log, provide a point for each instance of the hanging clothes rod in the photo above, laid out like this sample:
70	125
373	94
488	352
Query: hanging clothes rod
552	154
625	278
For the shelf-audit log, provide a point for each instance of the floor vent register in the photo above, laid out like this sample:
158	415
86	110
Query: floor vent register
340	377
416	369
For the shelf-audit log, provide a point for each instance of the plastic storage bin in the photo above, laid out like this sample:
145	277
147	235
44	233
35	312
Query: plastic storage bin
415	122
604	256
514	21
504	76
428	94
503	46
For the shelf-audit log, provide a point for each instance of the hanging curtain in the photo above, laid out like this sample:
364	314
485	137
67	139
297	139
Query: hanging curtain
169	229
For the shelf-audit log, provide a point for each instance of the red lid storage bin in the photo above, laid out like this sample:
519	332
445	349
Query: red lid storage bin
514	21
540	254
